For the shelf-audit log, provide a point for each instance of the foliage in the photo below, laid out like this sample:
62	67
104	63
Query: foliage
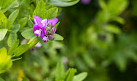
93	42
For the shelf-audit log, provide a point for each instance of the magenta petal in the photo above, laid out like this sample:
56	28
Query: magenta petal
53	21
37	20
35	27
51	37
85	1
42	32
53	30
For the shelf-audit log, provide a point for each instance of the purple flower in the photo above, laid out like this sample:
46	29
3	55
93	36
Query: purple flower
44	28
39	26
85	1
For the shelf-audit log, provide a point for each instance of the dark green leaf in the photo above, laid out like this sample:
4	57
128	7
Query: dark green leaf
23	22
60	71
12	18
12	38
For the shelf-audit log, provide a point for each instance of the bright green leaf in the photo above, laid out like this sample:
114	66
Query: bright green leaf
10	5
113	29
70	74
2	33
51	13
63	3
116	10
40	9
3	20
58	37
80	77
5	60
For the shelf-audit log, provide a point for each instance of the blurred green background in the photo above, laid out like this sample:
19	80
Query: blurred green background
99	38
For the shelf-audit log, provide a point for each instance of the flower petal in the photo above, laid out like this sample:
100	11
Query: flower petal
37	20
42	32
51	37
38	32
35	27
52	21
44	22
45	39
53	30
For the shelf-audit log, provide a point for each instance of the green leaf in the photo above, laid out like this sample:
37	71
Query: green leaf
23	22
33	41
58	37
119	20
40	9
63	3
60	71
56	25
21	49
2	33
48	6
13	47
5	60
3	20
28	33
2	79
51	13
80	77
4	4
24	47
70	74
12	18
15	28
10	5
12	38
116	10
120	61
113	29
103	4
90	62
30	23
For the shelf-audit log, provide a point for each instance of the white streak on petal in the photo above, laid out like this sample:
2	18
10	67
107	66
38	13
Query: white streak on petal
38	32
44	22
